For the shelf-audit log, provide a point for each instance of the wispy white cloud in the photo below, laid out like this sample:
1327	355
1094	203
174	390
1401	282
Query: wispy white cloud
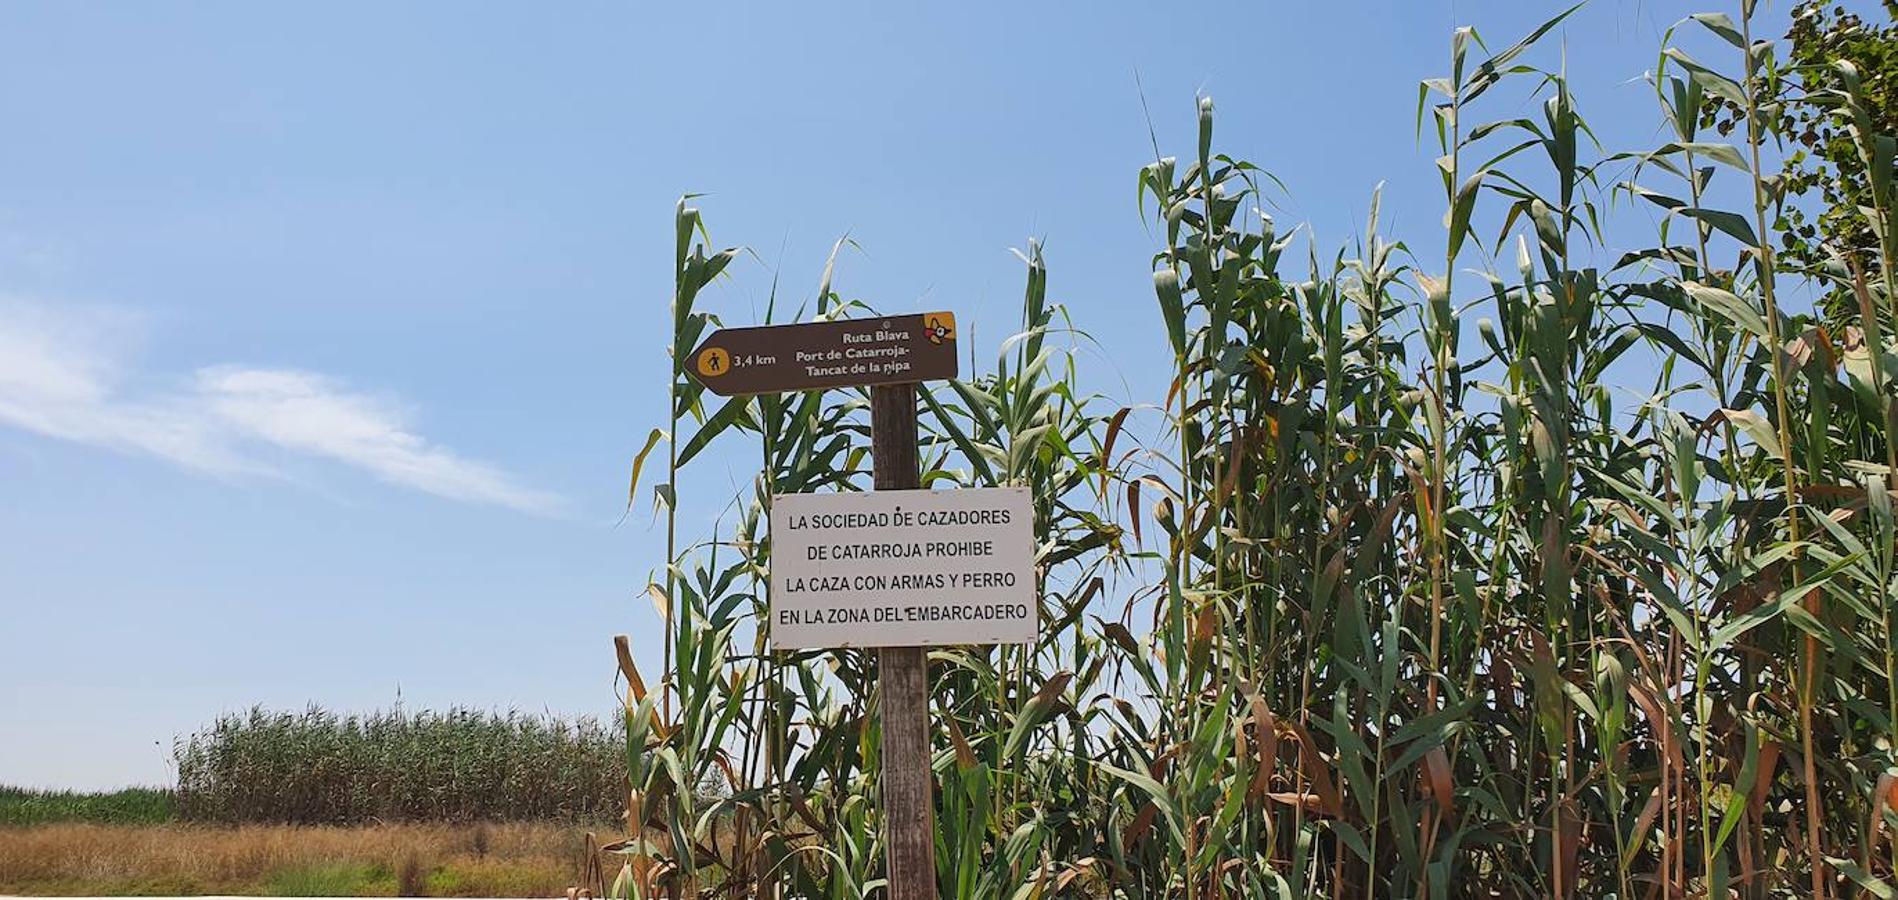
64	373
310	413
60	376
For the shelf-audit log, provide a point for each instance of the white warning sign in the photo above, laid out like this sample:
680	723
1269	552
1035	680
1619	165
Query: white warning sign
902	568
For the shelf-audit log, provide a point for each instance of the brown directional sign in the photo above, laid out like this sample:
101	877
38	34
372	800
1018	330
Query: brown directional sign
816	355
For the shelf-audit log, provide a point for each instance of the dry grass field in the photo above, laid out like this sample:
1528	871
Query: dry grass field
500	860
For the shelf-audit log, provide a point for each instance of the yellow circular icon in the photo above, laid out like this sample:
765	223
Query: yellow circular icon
714	361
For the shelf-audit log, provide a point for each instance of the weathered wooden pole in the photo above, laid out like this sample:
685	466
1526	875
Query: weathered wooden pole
909	806
889	355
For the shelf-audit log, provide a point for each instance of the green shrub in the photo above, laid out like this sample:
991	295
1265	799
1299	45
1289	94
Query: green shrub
340	879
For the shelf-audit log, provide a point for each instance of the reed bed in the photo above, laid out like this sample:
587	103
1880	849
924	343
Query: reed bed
316	767
1533	558
128	806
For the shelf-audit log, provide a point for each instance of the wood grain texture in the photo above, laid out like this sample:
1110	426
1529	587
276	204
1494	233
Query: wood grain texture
909	811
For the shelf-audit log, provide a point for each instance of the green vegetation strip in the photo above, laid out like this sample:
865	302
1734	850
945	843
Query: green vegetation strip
131	806
320	767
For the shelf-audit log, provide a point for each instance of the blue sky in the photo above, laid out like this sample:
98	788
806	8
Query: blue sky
327	332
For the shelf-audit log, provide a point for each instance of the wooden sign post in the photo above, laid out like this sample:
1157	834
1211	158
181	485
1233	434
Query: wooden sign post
890	355
909	807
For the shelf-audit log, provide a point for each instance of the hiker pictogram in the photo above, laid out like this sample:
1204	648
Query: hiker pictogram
714	361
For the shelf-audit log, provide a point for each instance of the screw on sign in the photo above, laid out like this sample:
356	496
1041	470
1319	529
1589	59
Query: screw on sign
889	355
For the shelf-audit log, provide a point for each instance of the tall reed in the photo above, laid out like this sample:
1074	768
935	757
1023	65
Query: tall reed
1590	600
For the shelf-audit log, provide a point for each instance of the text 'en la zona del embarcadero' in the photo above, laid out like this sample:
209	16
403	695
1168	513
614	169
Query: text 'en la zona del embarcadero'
902	568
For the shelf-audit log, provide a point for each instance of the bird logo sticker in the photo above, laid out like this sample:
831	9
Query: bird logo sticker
939	327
